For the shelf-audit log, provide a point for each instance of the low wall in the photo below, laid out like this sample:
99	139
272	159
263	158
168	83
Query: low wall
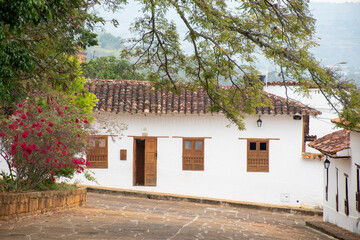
13	205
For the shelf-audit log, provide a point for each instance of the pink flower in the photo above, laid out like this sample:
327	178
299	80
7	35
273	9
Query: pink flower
39	134
23	116
77	120
2	135
43	120
86	121
66	107
43	151
51	124
20	105
40	110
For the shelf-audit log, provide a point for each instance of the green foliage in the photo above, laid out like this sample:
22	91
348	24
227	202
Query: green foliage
226	36
110	68
37	38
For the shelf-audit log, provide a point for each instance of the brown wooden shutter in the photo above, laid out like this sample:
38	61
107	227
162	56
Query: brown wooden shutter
193	154
98	155
357	194
258	155
150	161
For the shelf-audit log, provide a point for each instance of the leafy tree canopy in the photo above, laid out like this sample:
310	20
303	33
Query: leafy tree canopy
37	40
110	68
226	37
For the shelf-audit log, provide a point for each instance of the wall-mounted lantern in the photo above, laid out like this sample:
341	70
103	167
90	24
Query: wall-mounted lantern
326	163
259	122
297	116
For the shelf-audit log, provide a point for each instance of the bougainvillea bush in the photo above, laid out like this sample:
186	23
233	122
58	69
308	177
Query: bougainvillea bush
42	142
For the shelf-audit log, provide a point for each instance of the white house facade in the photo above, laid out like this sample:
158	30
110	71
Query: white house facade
320	125
342	178
173	145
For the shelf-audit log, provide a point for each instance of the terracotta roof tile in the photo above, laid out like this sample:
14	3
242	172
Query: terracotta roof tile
333	142
141	97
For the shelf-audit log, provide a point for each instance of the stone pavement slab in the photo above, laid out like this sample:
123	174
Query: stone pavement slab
333	230
213	201
122	217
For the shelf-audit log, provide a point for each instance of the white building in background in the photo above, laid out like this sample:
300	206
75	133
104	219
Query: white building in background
342	178
320	125
173	145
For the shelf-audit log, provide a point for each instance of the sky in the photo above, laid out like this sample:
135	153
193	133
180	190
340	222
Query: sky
335	1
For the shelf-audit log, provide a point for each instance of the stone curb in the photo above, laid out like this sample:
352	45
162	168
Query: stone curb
333	230
212	201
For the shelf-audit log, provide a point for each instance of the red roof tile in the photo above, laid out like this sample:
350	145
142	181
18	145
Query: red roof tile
141	97
333	142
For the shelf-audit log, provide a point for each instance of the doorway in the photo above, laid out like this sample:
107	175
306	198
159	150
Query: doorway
145	161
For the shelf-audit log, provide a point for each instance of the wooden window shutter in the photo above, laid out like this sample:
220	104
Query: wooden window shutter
258	155
98	154
357	194
193	154
346	201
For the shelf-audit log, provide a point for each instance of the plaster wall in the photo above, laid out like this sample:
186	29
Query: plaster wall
291	180
319	125
348	167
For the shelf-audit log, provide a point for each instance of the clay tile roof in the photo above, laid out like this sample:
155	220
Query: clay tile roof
333	142
282	83
141	97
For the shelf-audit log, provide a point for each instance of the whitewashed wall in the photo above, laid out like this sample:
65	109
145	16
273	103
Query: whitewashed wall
319	125
225	174
344	166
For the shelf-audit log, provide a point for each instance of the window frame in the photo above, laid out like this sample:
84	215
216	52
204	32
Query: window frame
189	156
257	155
90	155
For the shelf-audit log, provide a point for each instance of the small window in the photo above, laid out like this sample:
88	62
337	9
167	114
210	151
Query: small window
193	154
198	144
258	156
346	200
98	154
263	146
188	144
357	194
252	146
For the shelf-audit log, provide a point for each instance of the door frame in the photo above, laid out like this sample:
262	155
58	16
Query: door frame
134	157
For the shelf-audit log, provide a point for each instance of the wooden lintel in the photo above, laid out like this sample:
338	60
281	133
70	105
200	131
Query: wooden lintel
147	136
192	137
259	138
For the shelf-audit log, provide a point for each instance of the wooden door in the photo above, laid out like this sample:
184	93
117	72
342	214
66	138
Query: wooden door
150	161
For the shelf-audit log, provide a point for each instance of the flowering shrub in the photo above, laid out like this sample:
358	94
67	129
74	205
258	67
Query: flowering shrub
42	142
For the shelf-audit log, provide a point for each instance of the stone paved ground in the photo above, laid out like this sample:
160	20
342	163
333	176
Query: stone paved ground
118	217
